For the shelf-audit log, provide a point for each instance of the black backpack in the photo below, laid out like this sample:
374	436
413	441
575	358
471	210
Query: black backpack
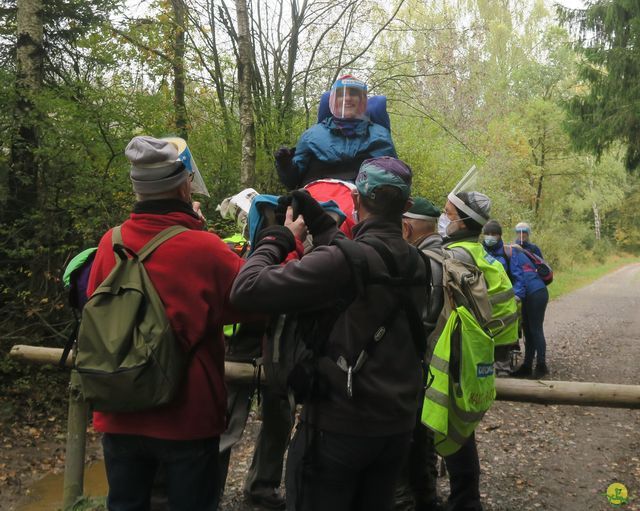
295	342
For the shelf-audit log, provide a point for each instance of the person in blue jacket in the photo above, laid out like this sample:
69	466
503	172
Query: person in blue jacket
523	231
532	293
493	244
338	144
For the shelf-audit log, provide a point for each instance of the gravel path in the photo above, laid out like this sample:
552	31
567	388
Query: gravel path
562	458
565	457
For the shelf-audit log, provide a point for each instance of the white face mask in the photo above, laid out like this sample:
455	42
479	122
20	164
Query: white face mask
447	227
355	216
443	223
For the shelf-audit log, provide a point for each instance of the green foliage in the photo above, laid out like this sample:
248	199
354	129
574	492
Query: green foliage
606	108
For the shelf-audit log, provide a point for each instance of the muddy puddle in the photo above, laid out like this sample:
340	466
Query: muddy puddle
46	494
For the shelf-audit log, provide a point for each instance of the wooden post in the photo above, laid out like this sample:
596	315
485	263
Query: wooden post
234	371
38	355
76	443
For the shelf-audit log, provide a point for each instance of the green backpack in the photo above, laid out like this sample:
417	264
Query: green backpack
128	357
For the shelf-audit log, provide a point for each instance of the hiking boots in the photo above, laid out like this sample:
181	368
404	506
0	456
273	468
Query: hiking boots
541	370
267	497
522	372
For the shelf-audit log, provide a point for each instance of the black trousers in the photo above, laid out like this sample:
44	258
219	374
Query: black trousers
417	485
331	471
464	478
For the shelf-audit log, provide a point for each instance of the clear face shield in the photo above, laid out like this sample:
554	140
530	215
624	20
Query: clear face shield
522	235
481	202
237	208
348	99
184	155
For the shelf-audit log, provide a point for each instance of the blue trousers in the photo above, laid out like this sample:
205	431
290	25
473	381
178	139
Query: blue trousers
533	309
191	471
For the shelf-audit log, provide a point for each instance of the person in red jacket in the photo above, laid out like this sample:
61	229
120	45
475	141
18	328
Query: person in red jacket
192	273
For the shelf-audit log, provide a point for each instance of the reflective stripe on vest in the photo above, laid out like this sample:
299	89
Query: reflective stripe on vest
453	410
503	326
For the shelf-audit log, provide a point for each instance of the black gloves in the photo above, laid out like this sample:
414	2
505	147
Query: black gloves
279	236
284	201
316	218
287	172
284	154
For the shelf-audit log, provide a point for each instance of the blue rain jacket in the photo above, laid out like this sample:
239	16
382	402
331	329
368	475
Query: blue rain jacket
531	247
520	269
326	143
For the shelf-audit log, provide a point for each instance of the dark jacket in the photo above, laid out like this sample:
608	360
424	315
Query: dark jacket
387	387
513	265
529	281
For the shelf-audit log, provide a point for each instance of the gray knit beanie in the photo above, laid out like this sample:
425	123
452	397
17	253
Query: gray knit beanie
155	167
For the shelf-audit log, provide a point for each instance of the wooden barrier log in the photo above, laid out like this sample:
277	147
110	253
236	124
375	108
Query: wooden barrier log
234	371
507	389
607	395
38	355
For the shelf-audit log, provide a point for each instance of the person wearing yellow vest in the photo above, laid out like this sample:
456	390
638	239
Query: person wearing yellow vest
460	226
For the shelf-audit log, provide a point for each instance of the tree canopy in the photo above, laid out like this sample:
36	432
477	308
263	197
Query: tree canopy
605	111
476	82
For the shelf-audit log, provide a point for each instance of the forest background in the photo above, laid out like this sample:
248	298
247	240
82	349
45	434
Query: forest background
496	83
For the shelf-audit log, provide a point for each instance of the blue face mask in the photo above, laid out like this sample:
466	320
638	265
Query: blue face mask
490	241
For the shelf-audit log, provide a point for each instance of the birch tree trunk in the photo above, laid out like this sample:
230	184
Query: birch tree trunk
177	63
596	220
247	123
23	178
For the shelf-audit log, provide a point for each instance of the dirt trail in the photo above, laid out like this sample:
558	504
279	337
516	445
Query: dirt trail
565	457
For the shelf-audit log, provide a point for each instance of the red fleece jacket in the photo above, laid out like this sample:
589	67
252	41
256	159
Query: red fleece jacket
192	273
